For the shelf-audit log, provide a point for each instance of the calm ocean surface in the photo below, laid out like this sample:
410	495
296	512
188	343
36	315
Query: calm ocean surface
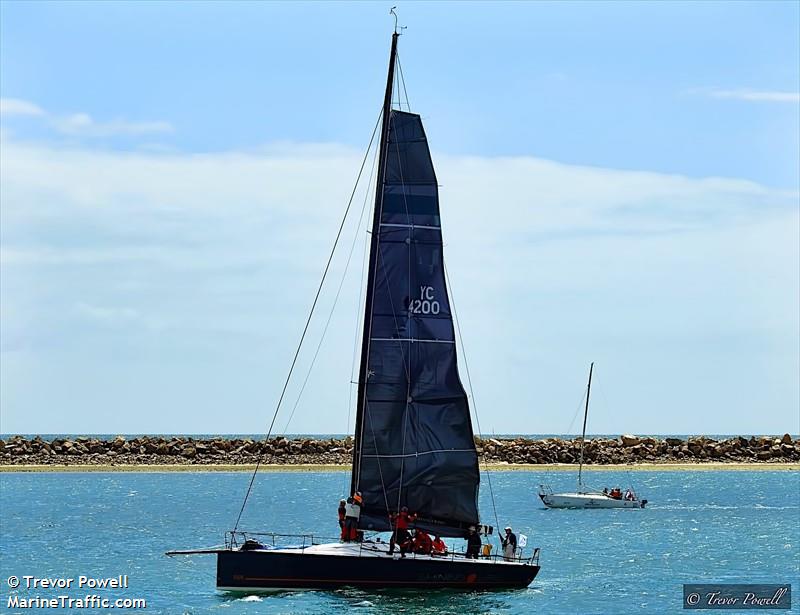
702	526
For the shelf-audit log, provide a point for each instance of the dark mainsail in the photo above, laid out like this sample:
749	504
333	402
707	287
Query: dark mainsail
414	443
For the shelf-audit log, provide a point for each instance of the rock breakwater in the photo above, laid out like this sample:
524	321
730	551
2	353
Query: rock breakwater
154	450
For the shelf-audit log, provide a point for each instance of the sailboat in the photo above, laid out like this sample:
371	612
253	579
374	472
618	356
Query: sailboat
413	440
584	497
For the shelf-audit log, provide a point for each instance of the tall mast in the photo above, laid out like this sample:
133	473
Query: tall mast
583	433
363	373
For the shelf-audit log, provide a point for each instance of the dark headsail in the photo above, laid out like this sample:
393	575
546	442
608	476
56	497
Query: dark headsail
414	443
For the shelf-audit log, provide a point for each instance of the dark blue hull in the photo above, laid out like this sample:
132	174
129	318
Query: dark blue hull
273	570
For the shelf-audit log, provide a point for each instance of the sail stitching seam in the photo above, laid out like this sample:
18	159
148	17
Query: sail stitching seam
412	226
411	339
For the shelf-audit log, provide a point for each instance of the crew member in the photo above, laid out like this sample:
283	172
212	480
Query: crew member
400	535
438	547
342	511
351	515
422	542
509	545
473	544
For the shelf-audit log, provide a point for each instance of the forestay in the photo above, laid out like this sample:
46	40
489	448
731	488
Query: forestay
414	439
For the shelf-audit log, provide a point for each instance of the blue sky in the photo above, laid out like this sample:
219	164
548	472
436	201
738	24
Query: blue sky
619	184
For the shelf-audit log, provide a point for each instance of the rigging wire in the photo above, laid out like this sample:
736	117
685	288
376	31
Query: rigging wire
324	331
604	403
188	563
577	411
548	472
630	482
308	321
359	314
333	308
403	81
396	92
471	392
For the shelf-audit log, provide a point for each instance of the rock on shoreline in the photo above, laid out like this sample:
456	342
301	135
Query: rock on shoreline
153	450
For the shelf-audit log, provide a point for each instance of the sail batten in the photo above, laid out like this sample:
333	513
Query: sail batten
416	445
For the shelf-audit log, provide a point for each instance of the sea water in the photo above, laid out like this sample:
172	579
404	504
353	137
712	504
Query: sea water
701	526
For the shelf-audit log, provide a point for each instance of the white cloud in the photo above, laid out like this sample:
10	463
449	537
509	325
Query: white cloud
77	256
756	95
15	106
82	124
207	262
108	315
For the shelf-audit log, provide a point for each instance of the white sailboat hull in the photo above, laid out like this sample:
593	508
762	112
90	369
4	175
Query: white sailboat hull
587	500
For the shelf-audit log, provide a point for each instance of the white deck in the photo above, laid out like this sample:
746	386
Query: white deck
381	550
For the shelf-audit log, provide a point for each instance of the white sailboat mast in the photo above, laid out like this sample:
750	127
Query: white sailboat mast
583	433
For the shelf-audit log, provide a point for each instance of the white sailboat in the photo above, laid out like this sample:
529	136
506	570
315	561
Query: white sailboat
584	497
